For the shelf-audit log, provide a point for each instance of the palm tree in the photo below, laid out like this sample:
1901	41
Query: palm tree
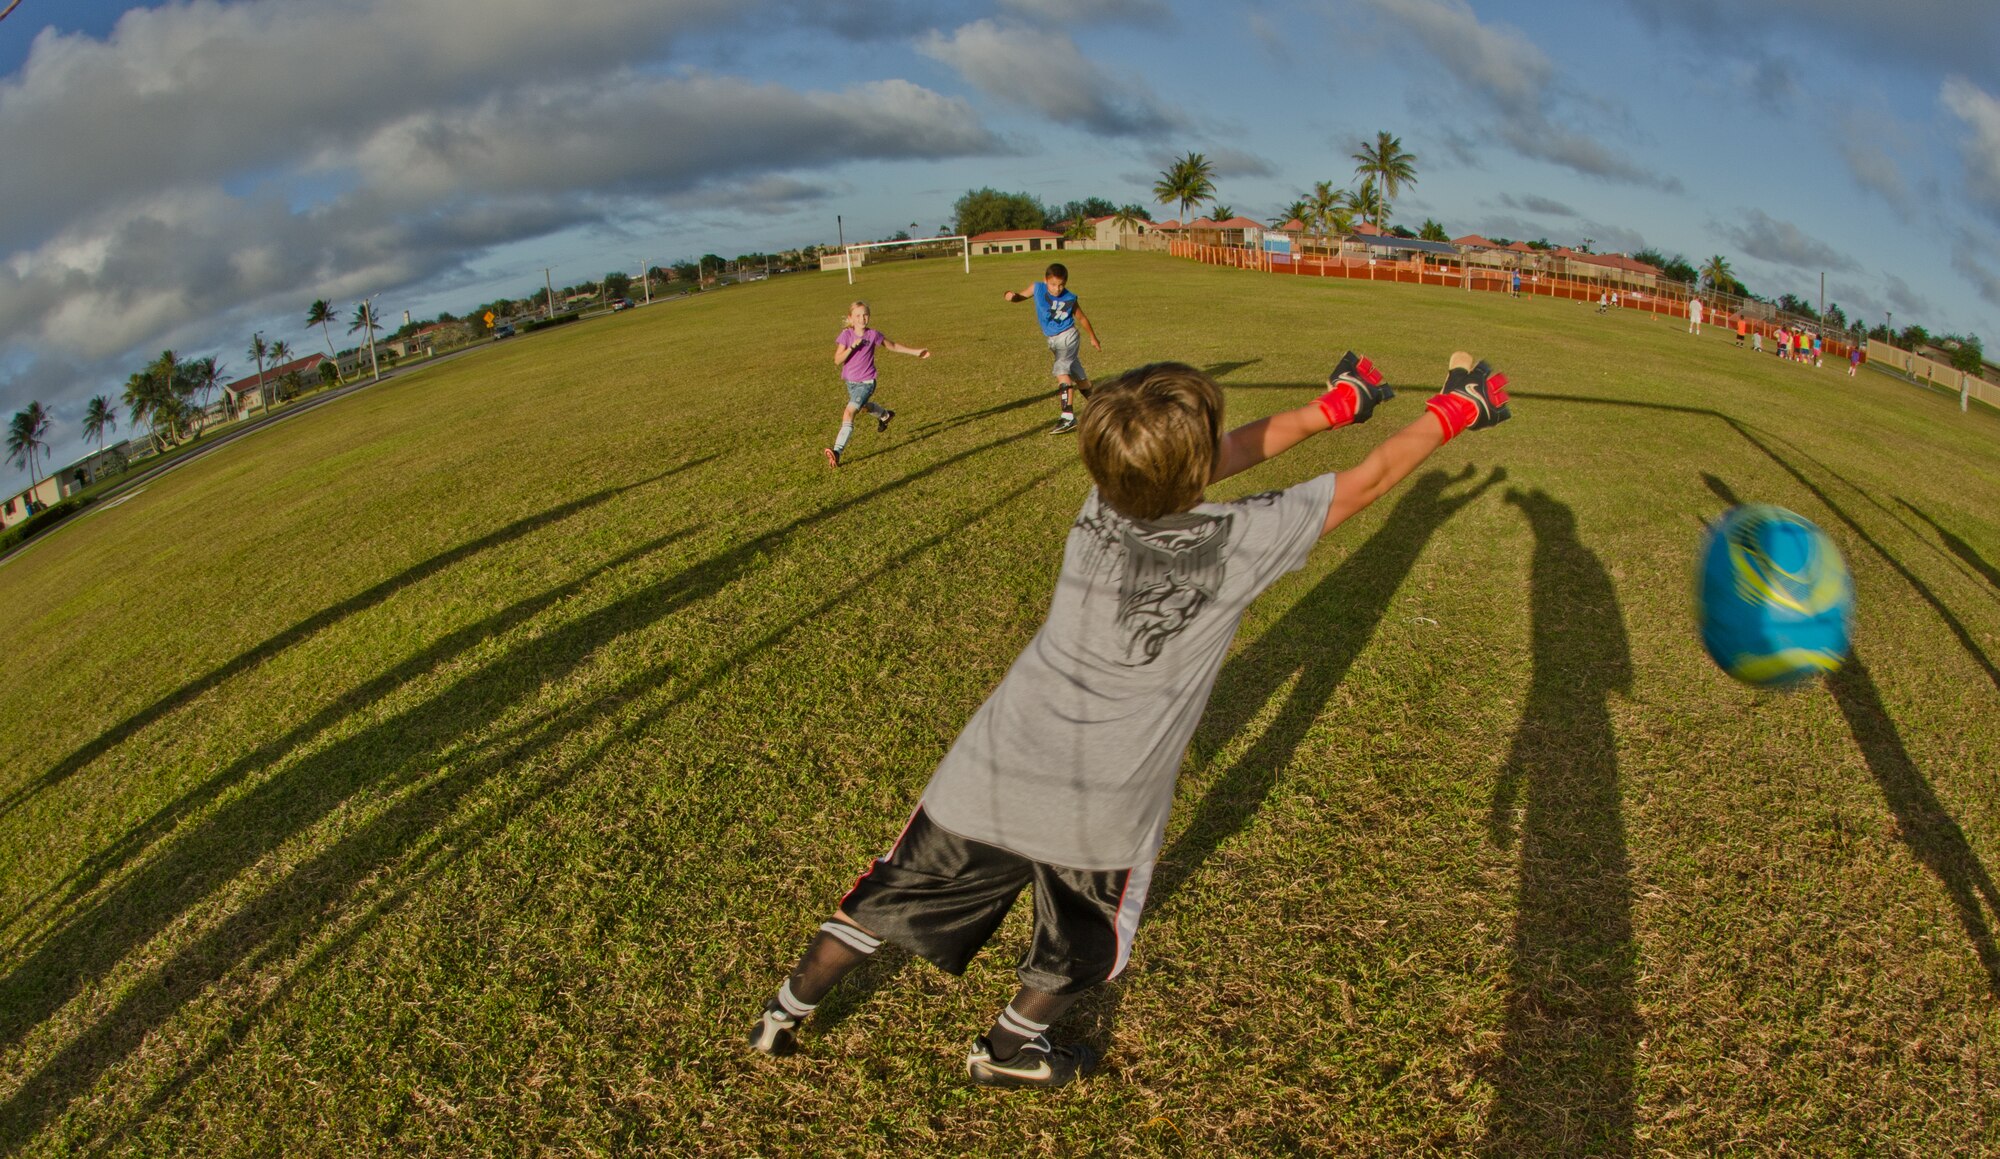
321	314
1717	275
1432	231
258	352
1389	166
1332	210
1188	181
281	353
97	415
203	375
364	319
1366	200
24	438
1222	212
1128	219
1299	210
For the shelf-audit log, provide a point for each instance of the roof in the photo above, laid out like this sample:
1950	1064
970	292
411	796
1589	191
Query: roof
1292	226
1239	222
272	373
1616	262
1014	235
1521	247
1388	241
1474	241
1364	229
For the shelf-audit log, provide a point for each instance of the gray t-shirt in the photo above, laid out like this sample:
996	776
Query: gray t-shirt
1072	760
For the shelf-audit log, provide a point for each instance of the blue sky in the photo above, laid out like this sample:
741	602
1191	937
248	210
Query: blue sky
182	175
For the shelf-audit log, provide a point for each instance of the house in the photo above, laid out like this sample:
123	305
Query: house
62	483
1014	241
244	395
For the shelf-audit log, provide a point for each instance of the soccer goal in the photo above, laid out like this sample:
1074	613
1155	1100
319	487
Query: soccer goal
910	249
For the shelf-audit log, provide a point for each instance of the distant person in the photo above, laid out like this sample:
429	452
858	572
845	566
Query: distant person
1064	778
1784	338
1694	315
1057	309
1517	283
1603	301
1853	359
1757	342
854	351
1614	299
1742	330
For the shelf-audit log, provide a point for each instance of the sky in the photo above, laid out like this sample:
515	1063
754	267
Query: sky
183	175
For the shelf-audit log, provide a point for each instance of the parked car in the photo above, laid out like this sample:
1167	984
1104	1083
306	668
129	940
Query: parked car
504	330
618	304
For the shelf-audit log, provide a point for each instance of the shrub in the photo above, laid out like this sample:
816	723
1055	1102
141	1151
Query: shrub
42	520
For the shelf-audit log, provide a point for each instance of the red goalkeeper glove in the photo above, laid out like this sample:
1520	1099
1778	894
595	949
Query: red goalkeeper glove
1474	399
1356	387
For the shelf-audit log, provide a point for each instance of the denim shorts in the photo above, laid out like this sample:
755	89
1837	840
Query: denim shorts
858	393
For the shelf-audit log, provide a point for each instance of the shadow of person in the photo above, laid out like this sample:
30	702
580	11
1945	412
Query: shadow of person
1963	550
1317	641
1565	1079
1922	822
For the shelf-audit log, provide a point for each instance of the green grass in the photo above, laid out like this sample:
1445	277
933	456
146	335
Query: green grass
454	769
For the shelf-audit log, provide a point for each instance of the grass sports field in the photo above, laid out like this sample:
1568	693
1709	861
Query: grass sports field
455	769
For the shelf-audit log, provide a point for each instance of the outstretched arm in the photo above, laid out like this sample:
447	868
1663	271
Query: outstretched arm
1026	295
899	348
1353	390
1473	398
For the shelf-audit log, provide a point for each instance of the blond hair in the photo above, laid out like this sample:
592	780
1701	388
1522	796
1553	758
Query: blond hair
1150	438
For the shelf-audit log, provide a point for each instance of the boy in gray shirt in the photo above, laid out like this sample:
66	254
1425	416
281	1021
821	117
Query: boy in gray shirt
1064	777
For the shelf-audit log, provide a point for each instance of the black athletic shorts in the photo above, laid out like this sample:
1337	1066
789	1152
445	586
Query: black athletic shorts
941	896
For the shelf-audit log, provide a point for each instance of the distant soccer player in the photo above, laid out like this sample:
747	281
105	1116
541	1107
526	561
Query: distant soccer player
1853	359
1059	312
854	351
1063	780
1694	315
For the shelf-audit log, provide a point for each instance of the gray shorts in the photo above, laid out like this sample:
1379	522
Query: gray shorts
1065	347
858	393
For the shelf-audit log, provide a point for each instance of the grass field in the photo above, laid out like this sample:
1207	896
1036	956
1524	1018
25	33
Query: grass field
454	769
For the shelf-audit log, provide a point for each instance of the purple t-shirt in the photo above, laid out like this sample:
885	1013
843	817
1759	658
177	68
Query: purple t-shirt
860	365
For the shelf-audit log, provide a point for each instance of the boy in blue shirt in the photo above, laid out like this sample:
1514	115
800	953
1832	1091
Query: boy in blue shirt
1057	310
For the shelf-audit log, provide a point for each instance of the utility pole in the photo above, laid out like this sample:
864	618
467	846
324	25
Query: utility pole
551	288
646	275
1822	301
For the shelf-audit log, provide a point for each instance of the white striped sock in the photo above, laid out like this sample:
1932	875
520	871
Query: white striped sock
1011	1021
853	937
790	1004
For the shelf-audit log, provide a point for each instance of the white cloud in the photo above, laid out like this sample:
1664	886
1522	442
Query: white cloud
1045	72
1091	11
1980	112
1761	236
1509	76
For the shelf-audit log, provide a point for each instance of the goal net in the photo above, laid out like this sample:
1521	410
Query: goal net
913	249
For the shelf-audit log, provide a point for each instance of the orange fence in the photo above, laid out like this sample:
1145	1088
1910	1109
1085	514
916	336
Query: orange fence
1417	272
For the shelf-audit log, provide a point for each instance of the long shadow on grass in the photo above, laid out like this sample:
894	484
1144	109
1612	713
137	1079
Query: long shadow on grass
427	757
1316	641
1923	590
453	844
1959	547
1564	1082
1922	822
305	629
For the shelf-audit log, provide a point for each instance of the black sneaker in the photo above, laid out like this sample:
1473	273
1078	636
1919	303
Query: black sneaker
882	424
1036	1064
832	457
1064	425
774	1033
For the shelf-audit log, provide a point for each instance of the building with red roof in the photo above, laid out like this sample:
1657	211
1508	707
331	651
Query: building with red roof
1011	241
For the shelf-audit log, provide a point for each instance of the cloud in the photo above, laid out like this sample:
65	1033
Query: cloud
1905	299
1764	237
1981	149
1091	11
1506	74
1022	65
1530	203
1961	34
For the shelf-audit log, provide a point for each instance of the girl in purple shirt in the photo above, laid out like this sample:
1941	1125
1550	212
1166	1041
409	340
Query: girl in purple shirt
854	352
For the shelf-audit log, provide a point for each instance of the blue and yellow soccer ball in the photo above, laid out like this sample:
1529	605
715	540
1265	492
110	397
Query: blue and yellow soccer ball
1774	597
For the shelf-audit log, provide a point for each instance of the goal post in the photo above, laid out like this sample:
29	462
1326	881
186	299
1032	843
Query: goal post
862	253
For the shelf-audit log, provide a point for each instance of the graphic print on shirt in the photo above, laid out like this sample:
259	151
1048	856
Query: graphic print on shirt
1171	574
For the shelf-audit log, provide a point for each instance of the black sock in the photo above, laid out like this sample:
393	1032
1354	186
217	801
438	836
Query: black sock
1026	1018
